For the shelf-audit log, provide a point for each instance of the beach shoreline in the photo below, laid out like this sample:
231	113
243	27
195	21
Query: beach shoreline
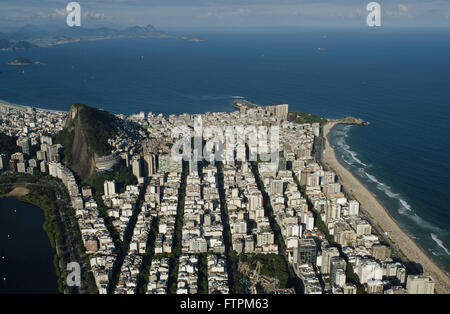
381	217
6	104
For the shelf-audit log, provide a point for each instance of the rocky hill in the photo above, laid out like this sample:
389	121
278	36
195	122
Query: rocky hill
85	138
352	120
8	144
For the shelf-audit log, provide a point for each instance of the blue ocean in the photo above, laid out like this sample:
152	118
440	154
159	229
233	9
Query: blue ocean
397	79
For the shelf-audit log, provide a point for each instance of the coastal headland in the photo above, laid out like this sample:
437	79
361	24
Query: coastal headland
380	216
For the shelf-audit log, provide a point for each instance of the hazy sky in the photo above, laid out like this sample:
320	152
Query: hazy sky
229	13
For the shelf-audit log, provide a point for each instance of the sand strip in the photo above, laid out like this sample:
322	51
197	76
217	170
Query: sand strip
19	191
380	216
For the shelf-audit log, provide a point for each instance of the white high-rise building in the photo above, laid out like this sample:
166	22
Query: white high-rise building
420	284
193	164
276	187
339	278
255	201
109	188
136	167
149	165
353	208
308	220
337	264
52	169
327	254
367	270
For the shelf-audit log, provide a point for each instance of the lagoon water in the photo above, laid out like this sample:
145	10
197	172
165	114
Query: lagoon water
397	79
26	257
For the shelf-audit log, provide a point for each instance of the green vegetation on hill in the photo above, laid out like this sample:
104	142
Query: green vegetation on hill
350	120
303	117
85	136
65	138
96	124
8	144
120	173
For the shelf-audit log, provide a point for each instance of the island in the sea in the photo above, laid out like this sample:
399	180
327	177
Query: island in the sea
20	62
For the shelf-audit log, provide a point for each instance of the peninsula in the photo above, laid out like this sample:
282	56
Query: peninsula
31	36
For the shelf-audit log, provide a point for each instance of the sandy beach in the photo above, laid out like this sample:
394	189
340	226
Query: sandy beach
380	216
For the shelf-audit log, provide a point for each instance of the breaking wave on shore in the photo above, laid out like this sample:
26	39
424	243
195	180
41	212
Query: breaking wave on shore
439	243
361	171
350	157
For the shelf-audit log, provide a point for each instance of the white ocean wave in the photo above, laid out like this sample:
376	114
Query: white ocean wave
350	158
344	132
405	204
439	243
404	208
342	144
422	222
347	161
354	156
382	187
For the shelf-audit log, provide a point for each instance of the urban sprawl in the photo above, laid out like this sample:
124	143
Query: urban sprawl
290	194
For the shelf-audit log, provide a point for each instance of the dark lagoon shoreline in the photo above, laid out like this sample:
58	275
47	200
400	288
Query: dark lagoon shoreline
26	254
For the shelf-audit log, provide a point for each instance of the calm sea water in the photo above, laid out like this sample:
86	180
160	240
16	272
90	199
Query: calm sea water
26	257
397	79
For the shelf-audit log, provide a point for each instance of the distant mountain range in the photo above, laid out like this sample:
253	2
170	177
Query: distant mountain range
8	45
31	36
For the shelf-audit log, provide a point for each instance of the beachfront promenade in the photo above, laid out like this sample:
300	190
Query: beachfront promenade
381	217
